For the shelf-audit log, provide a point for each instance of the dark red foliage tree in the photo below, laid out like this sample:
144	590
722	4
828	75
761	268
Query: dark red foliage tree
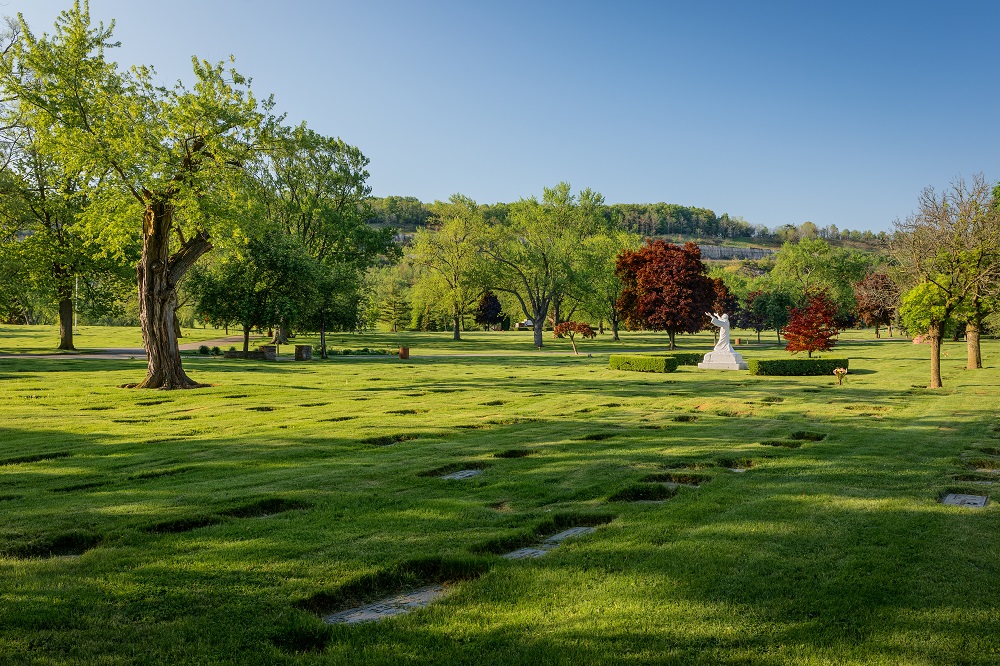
569	329
878	298
751	316
811	328
489	312
665	288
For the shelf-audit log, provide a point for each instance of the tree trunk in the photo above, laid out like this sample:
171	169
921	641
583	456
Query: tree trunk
64	292
876	332
671	333
246	340
573	342
177	326
541	312
758	336
975	358
322	335
936	333
456	333
614	330
66	322
158	273
280	335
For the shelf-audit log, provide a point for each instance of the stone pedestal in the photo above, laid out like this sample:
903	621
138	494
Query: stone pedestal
727	359
270	352
303	352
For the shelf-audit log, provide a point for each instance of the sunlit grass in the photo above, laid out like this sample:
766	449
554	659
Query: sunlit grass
205	525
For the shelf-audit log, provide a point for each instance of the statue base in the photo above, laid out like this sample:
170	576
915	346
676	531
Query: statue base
723	360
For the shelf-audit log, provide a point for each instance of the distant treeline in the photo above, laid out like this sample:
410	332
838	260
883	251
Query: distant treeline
657	219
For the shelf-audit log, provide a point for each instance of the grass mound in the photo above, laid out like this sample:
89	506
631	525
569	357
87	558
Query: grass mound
453	467
644	492
72	542
36	457
514	453
179	525
685	478
267	506
808	436
785	443
388	440
598	436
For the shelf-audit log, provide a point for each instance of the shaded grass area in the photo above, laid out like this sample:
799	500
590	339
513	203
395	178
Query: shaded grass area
221	537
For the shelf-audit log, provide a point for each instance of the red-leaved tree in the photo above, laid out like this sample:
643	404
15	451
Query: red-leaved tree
665	288
811	328
878	298
569	329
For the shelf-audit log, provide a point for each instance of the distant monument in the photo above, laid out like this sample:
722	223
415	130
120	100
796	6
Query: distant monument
723	357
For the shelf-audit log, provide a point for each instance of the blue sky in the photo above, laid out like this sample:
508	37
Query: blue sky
781	112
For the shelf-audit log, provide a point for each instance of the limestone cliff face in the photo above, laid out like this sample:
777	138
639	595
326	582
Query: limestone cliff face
724	252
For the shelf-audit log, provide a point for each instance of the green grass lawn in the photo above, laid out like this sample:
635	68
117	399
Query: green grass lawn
217	525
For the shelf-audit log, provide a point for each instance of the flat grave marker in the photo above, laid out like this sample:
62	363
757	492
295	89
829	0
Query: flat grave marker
388	607
532	552
971	501
462	474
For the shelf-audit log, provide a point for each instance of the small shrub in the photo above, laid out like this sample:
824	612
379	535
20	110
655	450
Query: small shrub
216	351
808	436
642	363
232	348
204	350
795	367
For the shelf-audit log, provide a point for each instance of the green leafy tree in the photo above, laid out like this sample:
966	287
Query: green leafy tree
265	281
533	250
602	287
947	251
449	255
175	152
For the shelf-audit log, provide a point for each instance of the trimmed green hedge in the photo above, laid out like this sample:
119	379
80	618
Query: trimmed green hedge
642	363
685	358
788	367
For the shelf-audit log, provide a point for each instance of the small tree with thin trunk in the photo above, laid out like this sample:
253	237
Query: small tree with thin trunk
811	328
877	296
570	329
489	312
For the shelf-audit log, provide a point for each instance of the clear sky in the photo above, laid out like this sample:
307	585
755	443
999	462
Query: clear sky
781	112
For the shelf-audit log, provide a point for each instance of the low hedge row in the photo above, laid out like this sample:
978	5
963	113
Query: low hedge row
642	363
685	358
788	367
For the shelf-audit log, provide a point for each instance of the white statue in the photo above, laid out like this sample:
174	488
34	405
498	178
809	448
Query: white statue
723	357
722	321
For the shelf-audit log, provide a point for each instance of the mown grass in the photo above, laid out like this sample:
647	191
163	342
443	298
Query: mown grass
197	527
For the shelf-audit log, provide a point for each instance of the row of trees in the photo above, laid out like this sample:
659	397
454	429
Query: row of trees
105	169
947	258
409	214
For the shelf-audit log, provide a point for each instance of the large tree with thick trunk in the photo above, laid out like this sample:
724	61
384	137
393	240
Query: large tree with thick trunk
177	152
533	251
947	253
666	288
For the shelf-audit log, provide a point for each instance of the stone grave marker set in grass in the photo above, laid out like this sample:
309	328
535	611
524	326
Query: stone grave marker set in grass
398	604
532	552
958	499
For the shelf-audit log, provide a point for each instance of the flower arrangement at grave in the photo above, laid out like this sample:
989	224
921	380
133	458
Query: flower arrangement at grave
570	329
840	373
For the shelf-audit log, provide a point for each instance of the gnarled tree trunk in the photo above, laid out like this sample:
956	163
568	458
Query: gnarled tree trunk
158	273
